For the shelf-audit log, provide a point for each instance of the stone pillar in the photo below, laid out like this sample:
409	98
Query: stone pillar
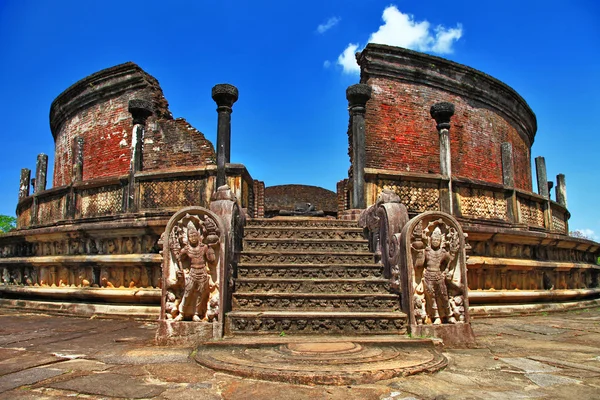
442	112
508	180
357	96
508	174
78	159
224	95
41	167
561	190
24	183
140	111
550	186
542	179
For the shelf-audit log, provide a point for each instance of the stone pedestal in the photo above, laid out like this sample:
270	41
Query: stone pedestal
186	333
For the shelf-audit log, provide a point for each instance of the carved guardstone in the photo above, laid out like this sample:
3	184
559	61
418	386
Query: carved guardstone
193	264
434	277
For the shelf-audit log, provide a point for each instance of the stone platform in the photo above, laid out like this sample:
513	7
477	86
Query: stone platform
547	356
323	360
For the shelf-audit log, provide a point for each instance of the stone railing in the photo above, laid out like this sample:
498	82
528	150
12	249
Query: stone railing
478	203
151	192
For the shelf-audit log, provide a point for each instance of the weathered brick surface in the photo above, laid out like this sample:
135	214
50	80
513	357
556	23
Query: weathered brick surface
402	136
96	109
285	197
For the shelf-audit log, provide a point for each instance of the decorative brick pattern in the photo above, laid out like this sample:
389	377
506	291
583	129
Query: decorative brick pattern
172	193
558	221
532	212
482	204
106	200
416	196
51	209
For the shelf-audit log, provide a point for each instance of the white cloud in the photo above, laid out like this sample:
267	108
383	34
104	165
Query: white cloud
585	233
348	61
326	64
403	30
331	22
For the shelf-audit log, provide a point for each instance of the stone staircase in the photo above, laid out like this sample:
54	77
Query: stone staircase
310	276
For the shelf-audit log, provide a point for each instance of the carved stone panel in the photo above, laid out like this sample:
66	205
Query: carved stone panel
106	200
482	204
434	263
193	262
416	196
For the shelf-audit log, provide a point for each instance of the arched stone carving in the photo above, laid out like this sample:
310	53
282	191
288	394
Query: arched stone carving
193	261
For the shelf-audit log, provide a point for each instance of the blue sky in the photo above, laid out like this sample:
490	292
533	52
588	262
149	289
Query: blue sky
289	125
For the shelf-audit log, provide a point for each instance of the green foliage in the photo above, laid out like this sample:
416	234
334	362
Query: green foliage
7	223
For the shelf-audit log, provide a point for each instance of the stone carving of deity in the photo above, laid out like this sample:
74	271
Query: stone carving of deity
437	281
193	243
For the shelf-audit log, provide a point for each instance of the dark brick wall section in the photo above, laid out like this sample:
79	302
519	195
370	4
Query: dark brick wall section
259	199
172	143
402	136
285	197
96	109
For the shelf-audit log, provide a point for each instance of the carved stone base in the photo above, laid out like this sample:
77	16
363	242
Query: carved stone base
186	333
453	335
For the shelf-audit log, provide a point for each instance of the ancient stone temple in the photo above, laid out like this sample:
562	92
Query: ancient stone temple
435	223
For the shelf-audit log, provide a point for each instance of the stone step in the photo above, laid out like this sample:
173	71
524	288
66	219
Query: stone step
328	233
315	302
350	323
299	222
299	257
307	245
310	271
252	285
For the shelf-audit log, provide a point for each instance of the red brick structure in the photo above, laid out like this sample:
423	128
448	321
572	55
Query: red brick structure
285	197
401	135
95	109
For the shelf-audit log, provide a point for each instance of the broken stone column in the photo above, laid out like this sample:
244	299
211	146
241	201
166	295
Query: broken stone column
140	111
224	95
357	96
41	167
442	112
561	190
542	178
508	174
508	179
78	159
24	183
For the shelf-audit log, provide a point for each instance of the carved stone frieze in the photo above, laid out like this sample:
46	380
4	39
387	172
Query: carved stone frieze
262	302
292	272
325	234
300	246
305	286
293	258
317	325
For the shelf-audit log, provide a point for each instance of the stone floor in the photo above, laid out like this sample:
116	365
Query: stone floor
548	356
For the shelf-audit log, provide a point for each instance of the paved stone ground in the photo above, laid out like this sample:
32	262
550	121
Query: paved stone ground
555	356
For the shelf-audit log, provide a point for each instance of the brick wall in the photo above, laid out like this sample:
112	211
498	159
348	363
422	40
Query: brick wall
285	197
402	136
96	109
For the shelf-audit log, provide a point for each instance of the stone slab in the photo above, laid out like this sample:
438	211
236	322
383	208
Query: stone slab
26	360
545	380
529	365
112	385
27	377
